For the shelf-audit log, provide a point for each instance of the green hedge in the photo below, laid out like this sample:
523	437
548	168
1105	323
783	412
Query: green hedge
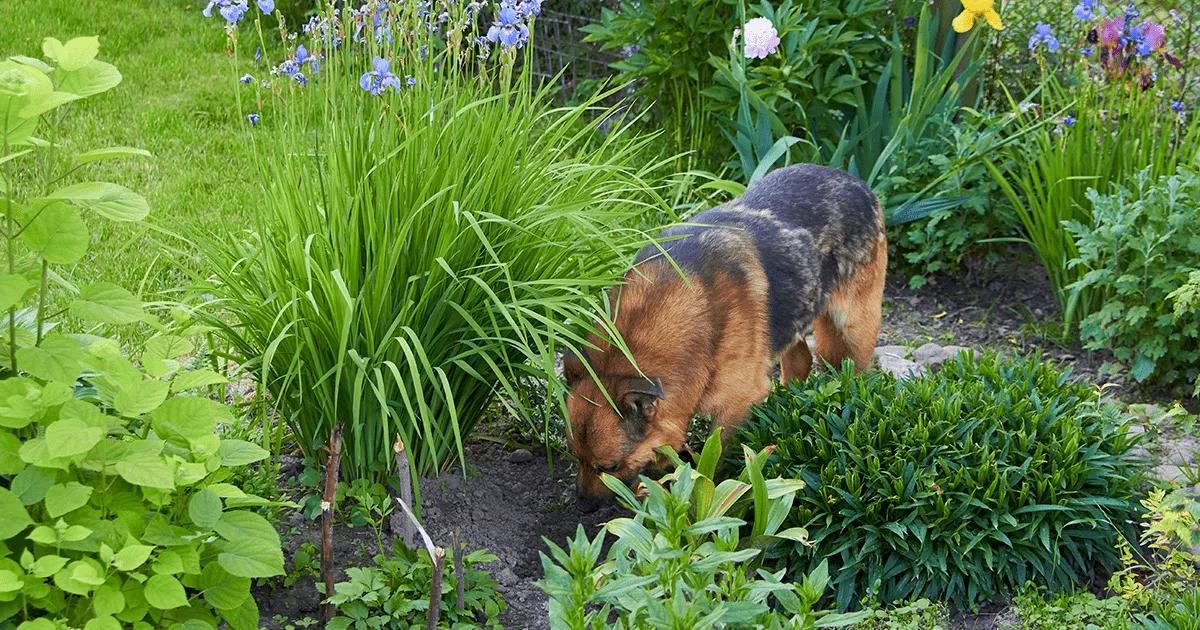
961	485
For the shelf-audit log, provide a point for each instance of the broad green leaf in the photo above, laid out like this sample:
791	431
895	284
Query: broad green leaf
31	484
196	378
92	79
46	102
80	577
240	452
19	84
40	623
10	460
12	290
13	517
58	358
66	497
251	558
244	617
204	508
106	199
103	622
75	54
57	233
71	437
140	397
108	600
47	566
164	592
20	402
110	153
108	304
222	590
10	582
132	557
143	465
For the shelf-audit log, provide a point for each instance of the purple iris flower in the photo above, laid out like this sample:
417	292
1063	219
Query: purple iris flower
380	78
508	30
1043	35
232	10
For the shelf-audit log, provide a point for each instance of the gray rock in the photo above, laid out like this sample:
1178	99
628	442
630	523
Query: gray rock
1170	472
506	577
931	355
520	456
892	359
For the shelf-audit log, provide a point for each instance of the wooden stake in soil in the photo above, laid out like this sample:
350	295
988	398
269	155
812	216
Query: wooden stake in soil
331	476
459	575
437	556
403	527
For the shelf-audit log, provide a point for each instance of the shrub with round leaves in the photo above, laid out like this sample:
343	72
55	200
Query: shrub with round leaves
961	485
115	506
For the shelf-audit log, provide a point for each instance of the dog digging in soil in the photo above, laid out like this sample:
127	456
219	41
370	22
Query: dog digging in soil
804	249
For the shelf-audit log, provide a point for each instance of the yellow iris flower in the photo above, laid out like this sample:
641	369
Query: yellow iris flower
975	9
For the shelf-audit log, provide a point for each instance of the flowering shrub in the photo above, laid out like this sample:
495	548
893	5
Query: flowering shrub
1138	254
115	506
432	230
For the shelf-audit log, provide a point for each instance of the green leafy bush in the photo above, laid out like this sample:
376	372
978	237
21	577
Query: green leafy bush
961	485
394	593
115	506
419	251
1137	256
688	557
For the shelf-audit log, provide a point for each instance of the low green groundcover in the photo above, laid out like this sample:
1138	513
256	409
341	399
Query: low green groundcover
961	485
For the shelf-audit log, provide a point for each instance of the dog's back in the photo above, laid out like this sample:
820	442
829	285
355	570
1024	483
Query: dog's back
808	227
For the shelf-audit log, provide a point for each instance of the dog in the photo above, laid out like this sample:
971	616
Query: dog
707	310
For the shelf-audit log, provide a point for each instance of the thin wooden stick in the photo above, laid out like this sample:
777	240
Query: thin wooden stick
459	574
400	526
437	556
331	476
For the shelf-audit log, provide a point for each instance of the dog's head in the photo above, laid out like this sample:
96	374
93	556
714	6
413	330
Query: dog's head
617	438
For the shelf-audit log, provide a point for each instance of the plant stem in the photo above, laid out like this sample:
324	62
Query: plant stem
41	309
331	476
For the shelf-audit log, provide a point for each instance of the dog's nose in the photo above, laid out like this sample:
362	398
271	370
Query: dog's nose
587	503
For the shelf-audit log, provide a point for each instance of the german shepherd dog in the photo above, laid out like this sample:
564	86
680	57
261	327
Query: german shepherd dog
803	249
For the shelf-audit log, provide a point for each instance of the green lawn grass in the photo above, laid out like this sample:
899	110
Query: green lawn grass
176	101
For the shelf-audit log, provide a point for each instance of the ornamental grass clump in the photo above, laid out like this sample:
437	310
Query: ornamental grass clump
431	228
960	486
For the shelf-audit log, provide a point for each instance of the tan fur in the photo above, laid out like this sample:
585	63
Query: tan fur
708	344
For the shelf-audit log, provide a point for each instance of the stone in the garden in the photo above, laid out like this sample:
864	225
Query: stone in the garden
932	355
894	360
506	577
520	456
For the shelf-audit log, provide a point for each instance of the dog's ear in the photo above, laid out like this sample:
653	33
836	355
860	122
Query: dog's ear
637	399
573	367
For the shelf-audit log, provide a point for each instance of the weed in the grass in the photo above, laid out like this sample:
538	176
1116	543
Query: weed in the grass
417	252
919	615
1075	611
306	562
961	485
370	506
394	593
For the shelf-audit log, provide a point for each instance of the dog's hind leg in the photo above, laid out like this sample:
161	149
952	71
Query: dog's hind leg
796	362
849	327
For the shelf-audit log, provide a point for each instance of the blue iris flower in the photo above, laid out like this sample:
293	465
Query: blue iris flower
232	10
508	30
380	78
246	79
1069	120
1177	106
410	80
1043	35
1088	9
1086	51
266	6
253	118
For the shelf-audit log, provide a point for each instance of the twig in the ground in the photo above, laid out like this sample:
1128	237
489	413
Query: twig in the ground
331	476
403	527
437	556
459	575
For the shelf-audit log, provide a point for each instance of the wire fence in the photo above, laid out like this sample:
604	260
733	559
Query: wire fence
561	54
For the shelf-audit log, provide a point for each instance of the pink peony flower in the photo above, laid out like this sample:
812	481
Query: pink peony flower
1110	36
1154	34
761	38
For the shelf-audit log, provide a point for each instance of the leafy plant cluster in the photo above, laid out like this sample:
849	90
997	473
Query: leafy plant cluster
1139	254
512	217
394	593
115	503
958	486
689	557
